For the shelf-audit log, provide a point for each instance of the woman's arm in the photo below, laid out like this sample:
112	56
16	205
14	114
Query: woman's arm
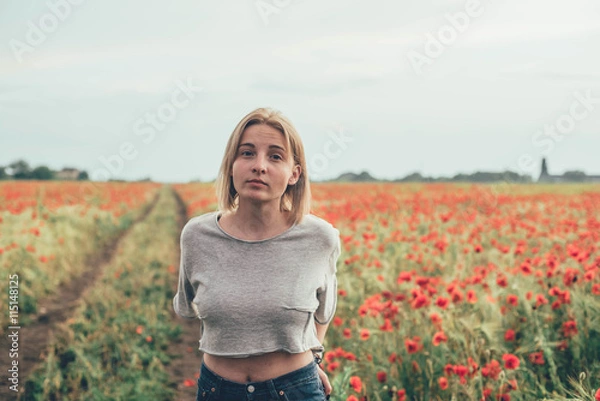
321	330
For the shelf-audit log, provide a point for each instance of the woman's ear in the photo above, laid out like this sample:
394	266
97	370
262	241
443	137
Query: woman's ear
296	172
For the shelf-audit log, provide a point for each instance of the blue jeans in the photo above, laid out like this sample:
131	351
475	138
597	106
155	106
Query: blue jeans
303	384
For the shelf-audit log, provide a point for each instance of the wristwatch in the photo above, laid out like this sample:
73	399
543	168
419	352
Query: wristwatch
318	357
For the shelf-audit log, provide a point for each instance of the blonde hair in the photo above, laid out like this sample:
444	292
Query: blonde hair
296	198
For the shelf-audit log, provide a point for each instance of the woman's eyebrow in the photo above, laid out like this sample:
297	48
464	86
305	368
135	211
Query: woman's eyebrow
252	146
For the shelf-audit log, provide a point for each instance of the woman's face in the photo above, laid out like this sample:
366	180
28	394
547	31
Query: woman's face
263	155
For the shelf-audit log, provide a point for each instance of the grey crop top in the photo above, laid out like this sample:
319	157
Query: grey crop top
255	297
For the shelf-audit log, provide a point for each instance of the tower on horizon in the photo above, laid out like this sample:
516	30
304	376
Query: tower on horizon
569	176
544	172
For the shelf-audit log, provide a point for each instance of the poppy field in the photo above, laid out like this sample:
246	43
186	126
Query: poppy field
465	292
49	230
445	291
448	291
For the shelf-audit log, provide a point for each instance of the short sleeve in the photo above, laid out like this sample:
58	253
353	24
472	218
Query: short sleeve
182	302
327	293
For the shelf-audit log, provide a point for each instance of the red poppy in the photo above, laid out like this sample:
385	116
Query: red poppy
457	296
570	276
401	395
449	369
540	300
356	383
473	366
570	328
387	326
436	319
443	382
461	370
442	302
589	275
537	358
421	281
492	370
510	361
420	301
525	268
412	346
364	334
404	276
471	297
438	338
189	383
509	335
333	366
381	376
512	299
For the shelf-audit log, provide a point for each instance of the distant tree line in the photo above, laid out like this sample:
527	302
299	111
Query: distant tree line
417	177
21	170
477	177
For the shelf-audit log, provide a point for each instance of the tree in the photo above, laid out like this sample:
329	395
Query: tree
42	173
576	176
3	174
20	170
83	176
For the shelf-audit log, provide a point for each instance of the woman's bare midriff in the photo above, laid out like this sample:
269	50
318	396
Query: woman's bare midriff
257	368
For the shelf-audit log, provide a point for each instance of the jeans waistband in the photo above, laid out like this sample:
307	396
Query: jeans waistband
288	380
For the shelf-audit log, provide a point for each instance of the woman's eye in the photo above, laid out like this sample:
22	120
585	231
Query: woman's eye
248	152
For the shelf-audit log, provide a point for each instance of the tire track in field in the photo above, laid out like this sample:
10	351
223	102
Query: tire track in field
185	351
35	337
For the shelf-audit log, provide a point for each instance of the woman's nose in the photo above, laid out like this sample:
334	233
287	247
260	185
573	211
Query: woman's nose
259	165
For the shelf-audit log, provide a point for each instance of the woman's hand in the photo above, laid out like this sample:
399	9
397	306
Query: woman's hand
325	381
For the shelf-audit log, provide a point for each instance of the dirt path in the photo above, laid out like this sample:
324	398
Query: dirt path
34	338
187	364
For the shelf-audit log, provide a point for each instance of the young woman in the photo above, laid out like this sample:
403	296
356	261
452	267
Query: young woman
260	272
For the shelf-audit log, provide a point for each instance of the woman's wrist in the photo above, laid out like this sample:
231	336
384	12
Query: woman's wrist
318	357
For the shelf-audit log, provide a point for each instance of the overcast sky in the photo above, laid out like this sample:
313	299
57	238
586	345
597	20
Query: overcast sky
440	87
